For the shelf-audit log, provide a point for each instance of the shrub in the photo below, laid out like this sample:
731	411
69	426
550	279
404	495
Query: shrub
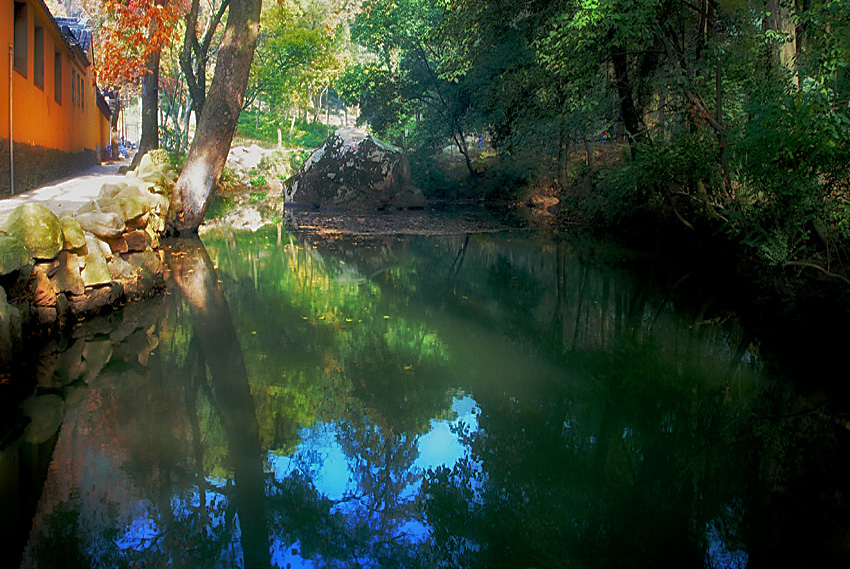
793	156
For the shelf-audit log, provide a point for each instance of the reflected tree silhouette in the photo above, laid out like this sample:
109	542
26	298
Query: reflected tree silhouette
193	272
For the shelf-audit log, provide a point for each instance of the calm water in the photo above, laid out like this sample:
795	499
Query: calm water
494	400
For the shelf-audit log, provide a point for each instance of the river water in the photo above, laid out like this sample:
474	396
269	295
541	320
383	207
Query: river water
482	400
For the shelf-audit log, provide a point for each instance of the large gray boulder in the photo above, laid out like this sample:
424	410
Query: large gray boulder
354	170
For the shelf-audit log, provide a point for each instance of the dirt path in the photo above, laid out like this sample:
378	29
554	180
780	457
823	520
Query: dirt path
69	193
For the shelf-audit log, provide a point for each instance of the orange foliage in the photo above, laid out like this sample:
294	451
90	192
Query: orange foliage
131	31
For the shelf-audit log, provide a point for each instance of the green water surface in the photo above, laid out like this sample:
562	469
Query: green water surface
489	400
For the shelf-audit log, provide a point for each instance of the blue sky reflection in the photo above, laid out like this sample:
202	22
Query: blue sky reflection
321	459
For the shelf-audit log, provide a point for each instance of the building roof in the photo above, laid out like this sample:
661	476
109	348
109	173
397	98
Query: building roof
77	34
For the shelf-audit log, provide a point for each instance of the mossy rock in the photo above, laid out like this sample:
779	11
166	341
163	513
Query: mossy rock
121	269
135	202
13	254
146	186
109	205
110	190
155	168
88	207
10	329
66	274
73	232
96	271
101	224
46	413
38	228
160	204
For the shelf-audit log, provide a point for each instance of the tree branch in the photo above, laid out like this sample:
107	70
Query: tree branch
810	265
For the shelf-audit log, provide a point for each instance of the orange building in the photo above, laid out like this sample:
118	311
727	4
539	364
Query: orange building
50	107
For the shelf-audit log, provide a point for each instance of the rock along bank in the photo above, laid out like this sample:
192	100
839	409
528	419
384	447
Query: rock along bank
56	271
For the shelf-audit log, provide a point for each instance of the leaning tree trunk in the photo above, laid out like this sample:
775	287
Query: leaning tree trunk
150	107
217	123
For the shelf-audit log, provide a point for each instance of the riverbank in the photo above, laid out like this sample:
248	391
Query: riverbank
79	248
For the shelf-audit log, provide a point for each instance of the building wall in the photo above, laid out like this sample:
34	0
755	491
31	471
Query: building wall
72	132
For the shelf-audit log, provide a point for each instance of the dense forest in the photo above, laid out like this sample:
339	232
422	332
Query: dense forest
724	119
728	117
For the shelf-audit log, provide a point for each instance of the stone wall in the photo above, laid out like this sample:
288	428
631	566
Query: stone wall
36	165
55	271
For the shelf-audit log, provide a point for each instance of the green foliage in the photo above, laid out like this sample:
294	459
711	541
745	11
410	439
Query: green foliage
265	127
220	206
622	199
159	156
350	84
634	192
227	179
257	179
416	94
170	138
297	158
793	160
715	119
282	164
302	49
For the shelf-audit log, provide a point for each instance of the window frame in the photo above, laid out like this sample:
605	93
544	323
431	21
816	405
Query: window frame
38	55
20	37
57	76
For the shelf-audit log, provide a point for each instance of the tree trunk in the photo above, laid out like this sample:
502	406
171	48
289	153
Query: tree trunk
317	103
463	148
116	113
193	57
781	20
150	108
624	92
187	120
190	43
328	108
218	120
563	156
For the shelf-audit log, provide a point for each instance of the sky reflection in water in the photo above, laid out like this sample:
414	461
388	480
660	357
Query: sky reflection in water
321	457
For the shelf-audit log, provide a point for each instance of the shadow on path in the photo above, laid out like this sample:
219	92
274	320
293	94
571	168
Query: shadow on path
67	194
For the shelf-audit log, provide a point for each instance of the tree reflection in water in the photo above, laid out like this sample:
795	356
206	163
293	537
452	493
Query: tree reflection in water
221	356
484	401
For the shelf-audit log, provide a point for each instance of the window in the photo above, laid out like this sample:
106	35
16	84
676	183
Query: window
38	57
57	77
21	33
73	85
82	94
